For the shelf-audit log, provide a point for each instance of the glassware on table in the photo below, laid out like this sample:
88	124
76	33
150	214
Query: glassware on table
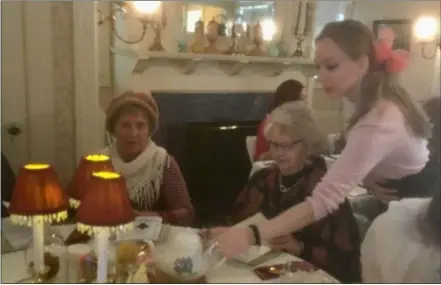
291	273
303	272
55	258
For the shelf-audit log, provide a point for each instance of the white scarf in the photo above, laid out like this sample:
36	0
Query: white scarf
143	174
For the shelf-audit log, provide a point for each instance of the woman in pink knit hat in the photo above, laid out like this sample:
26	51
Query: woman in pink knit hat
154	181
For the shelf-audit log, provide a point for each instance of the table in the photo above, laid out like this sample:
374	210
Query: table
13	267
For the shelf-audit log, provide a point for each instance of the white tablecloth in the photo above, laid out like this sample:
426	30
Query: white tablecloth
13	266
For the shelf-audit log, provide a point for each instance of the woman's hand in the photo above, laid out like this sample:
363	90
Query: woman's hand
385	195
232	241
145	213
287	243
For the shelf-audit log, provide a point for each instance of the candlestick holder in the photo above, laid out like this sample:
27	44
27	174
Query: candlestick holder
157	43
299	51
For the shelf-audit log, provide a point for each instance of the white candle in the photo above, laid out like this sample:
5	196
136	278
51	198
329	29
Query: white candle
303	17
101	245
299	15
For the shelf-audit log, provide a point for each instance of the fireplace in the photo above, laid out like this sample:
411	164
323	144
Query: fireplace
206	134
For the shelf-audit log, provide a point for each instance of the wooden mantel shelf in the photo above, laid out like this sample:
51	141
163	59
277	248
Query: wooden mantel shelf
187	63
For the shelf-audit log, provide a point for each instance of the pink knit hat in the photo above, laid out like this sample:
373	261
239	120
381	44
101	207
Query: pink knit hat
144	101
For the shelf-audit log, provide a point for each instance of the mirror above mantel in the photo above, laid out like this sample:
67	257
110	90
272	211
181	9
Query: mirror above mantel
227	12
188	63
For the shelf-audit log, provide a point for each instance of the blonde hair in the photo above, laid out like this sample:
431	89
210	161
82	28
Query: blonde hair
297	121
357	40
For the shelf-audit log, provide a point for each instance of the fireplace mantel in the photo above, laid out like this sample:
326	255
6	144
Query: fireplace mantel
188	63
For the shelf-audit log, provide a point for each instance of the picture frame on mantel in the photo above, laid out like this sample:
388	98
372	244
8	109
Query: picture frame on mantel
402	28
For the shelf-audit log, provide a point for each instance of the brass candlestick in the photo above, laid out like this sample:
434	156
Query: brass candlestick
304	15
298	52
157	44
158	25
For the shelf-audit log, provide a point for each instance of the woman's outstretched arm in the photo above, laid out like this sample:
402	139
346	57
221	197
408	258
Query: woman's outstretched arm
367	145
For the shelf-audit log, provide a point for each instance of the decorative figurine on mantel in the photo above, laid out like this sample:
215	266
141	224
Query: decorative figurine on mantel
212	37
258	40
198	44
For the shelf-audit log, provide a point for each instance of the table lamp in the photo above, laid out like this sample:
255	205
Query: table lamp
88	164
38	199
105	209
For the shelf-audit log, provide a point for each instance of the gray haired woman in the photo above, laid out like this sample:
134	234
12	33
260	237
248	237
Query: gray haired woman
296	143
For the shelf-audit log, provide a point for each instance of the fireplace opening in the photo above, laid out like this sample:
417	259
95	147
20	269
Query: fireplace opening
206	132
216	166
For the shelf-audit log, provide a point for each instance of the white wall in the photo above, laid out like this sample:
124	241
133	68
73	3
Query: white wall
13	107
418	78
27	96
38	91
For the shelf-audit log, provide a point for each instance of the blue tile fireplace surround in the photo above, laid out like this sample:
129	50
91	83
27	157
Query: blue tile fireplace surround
206	133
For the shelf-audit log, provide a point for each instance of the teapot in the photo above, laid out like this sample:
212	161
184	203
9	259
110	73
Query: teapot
185	257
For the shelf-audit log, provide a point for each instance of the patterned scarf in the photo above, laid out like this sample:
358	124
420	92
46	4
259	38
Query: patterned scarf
143	174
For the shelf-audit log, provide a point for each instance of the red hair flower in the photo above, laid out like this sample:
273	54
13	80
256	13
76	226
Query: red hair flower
394	60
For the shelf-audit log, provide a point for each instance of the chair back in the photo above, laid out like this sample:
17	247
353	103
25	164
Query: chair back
250	142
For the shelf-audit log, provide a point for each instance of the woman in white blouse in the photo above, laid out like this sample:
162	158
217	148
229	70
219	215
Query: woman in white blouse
403	244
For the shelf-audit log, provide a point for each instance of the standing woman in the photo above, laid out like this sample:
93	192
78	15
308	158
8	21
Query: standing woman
386	139
403	245
289	90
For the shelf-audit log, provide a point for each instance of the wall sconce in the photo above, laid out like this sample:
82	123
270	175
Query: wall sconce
427	33
148	13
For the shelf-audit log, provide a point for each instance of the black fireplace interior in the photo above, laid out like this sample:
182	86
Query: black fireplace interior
206	134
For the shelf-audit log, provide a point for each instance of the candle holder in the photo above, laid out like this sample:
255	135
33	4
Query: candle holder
299	51
302	27
157	42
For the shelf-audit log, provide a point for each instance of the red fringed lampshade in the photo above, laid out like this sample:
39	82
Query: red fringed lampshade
88	165
106	206
37	192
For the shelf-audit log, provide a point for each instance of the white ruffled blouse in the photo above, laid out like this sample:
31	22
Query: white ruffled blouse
393	250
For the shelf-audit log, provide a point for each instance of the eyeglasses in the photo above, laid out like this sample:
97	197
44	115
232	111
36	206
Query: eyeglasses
283	146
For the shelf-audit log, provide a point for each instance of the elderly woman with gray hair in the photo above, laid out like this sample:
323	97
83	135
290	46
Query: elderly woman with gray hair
296	143
154	181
